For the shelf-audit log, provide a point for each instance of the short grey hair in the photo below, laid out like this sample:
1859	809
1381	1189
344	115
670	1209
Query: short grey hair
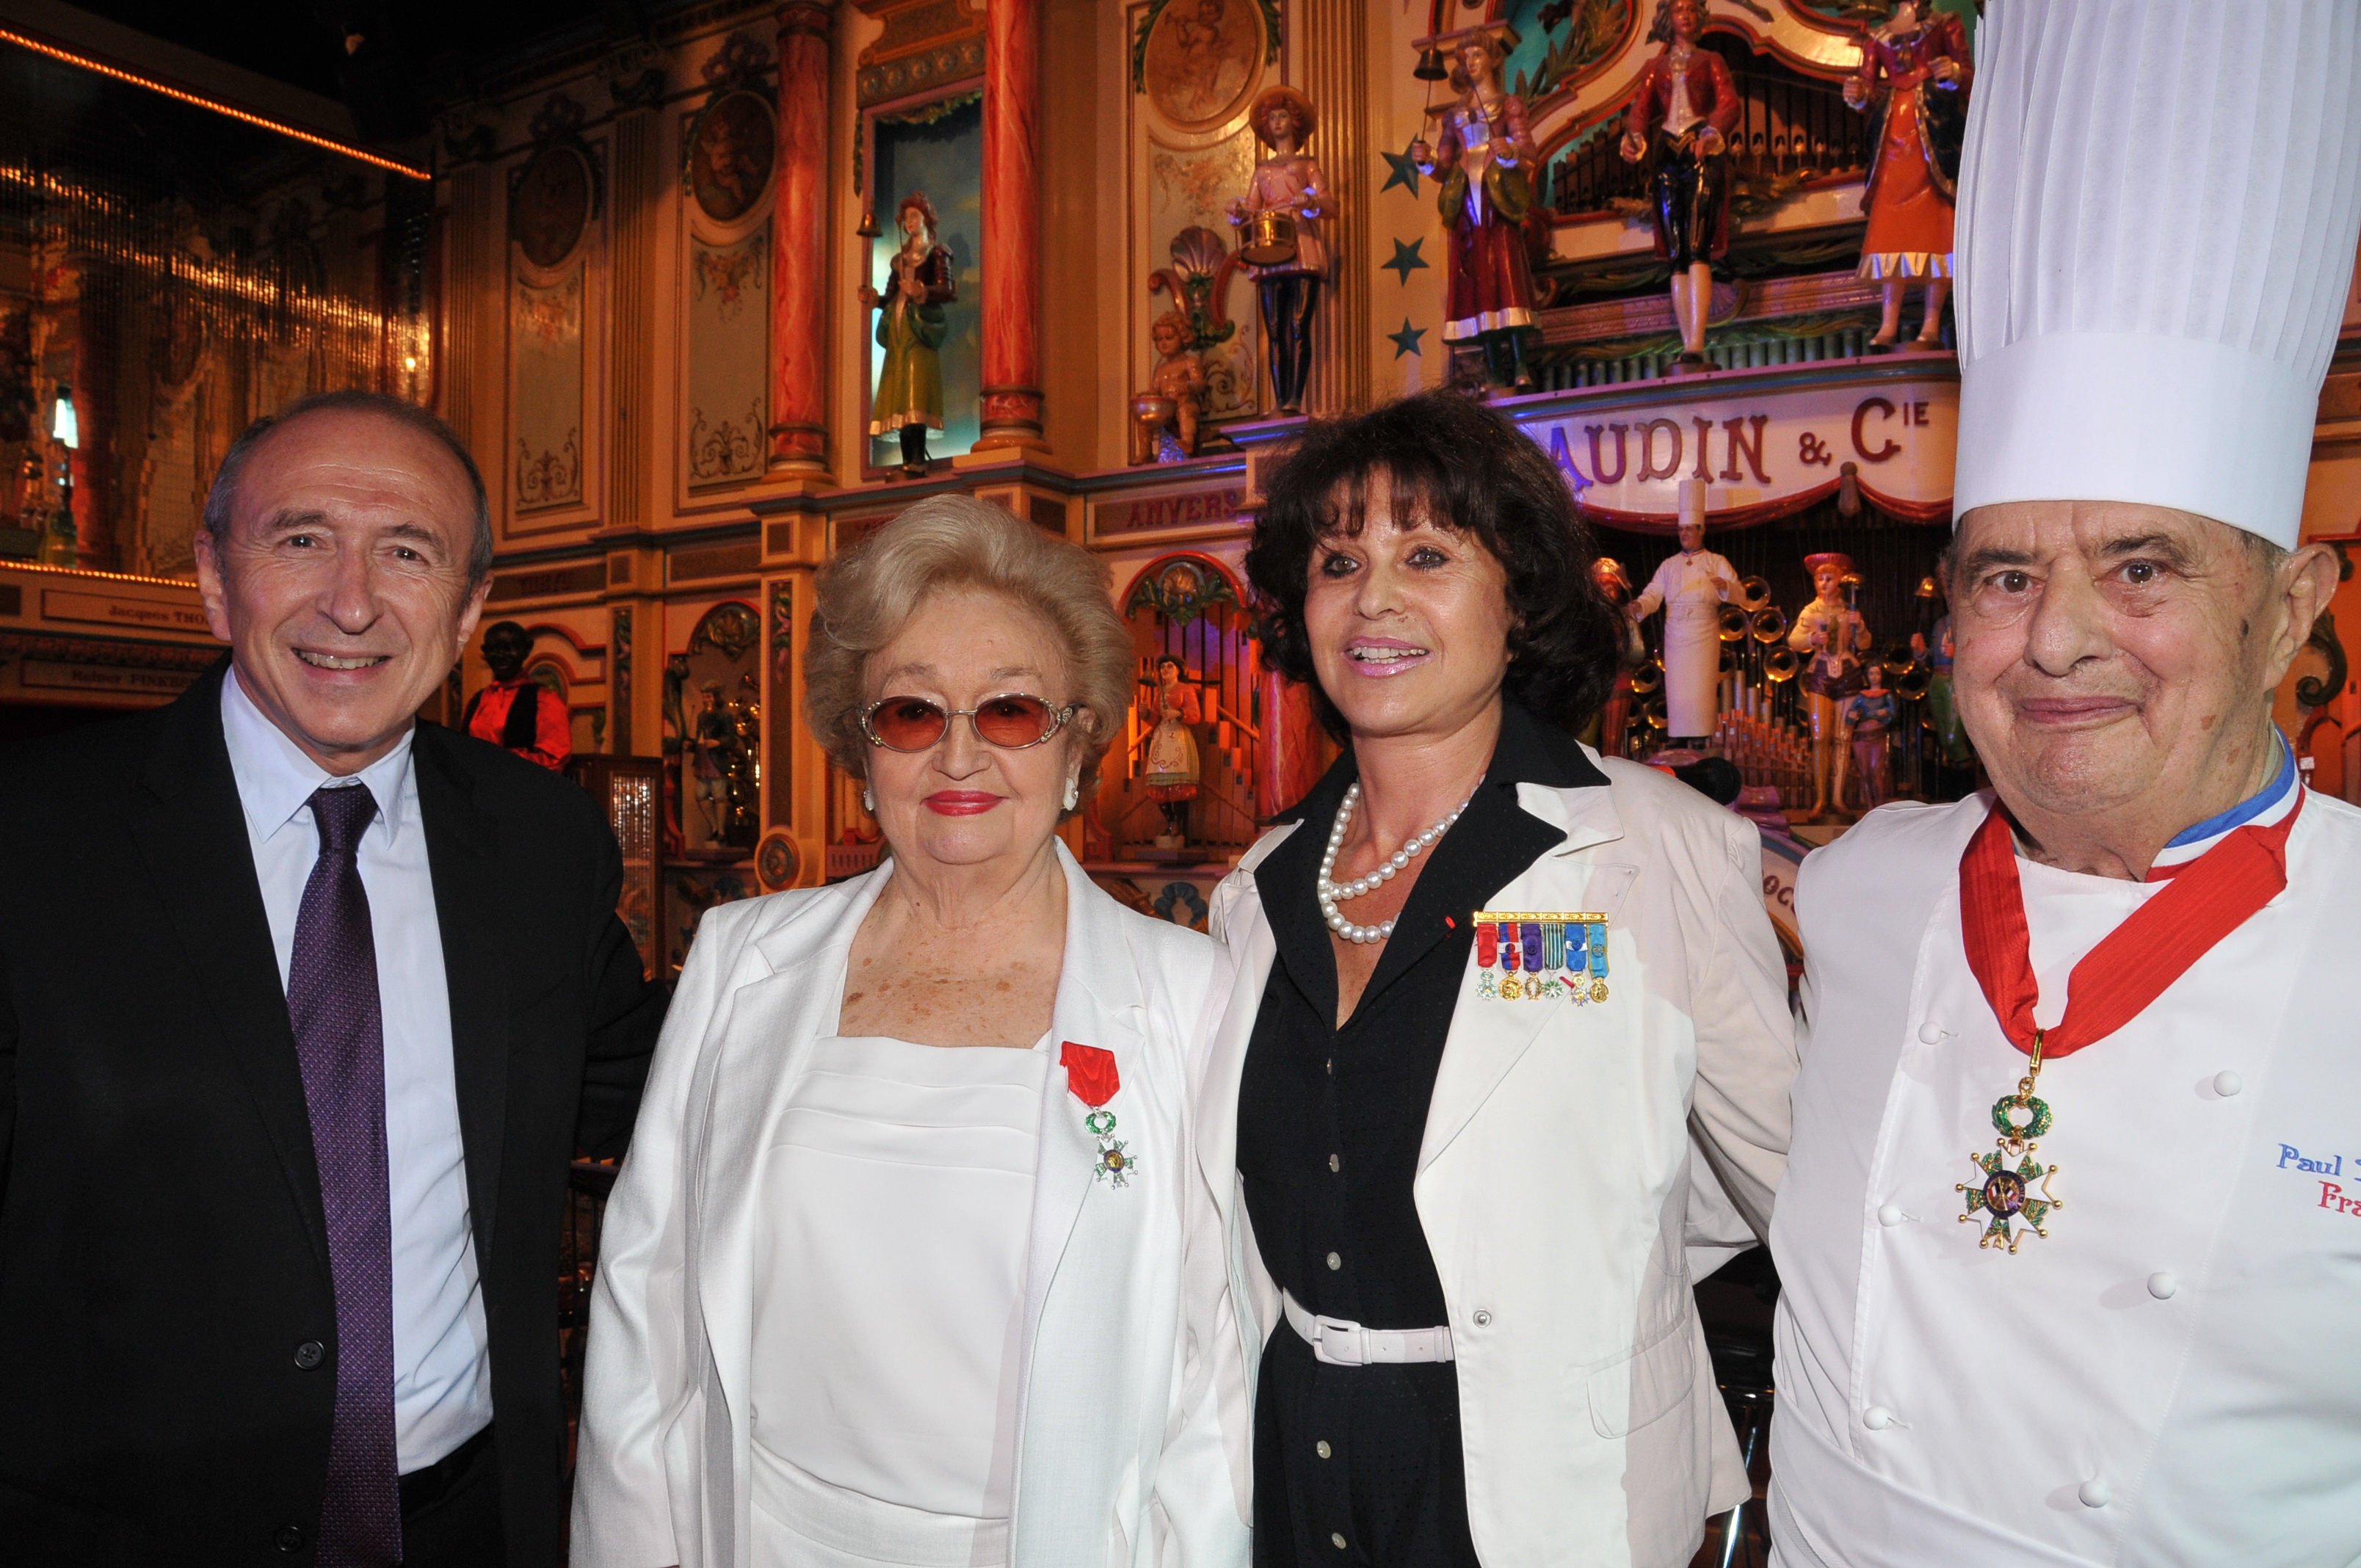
949	544
223	497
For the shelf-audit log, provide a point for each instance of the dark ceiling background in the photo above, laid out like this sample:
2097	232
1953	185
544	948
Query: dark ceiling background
390	62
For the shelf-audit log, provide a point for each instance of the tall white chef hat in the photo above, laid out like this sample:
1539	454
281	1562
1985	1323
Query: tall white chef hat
2159	206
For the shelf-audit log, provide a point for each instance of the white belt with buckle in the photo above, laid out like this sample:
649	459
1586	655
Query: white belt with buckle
1340	1344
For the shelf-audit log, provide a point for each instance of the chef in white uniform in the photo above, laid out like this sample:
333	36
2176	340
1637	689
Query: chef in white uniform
2104	1316
1691	588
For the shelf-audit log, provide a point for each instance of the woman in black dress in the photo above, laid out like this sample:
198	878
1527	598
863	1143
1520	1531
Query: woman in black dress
1454	1145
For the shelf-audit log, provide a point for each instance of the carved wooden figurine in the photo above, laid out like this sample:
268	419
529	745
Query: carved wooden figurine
1914	76
1682	113
1484	159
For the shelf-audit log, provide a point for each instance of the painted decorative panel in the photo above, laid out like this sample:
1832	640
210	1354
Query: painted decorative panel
1191	188
728	338
546	338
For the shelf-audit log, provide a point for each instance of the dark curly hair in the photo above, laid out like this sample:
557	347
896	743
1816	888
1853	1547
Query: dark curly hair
1473	473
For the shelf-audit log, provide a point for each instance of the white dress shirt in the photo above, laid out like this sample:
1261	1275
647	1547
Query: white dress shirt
441	1378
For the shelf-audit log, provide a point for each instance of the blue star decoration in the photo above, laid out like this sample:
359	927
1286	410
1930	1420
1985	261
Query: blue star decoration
1407	258
1405	172
1406	340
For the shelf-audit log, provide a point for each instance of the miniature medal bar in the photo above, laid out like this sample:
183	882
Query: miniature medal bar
1539	955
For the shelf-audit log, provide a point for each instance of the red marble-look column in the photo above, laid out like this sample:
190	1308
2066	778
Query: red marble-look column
799	242
1012	225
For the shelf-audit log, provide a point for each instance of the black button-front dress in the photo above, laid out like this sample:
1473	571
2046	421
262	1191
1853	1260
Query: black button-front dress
1362	1465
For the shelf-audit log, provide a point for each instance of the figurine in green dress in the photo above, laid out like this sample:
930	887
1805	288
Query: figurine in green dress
911	325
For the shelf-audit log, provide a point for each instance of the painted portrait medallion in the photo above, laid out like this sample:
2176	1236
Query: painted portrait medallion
552	205
731	146
1202	60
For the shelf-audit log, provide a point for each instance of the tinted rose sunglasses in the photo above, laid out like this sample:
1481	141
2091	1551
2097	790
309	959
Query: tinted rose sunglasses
1013	721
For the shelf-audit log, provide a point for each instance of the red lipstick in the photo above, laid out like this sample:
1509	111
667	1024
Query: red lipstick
961	802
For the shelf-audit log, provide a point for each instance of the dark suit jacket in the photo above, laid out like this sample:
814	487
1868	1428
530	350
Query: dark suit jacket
162	1250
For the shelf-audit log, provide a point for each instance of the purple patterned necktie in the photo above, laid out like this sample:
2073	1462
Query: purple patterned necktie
331	1000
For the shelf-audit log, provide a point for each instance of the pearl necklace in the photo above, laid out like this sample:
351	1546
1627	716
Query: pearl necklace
1331	892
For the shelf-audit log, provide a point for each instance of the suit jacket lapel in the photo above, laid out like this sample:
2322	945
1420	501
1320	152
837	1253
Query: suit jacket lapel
463	856
202	864
787	992
1244	926
1488	1038
1099	1003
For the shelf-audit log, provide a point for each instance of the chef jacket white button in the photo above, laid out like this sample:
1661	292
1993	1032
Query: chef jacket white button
2161	1286
1890	1215
1931	1032
1335	1261
1321	1448
2225	1084
1483	1319
1877	1418
2093	1493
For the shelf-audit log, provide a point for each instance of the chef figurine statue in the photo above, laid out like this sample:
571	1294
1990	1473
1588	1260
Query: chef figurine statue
1484	159
1170	766
1692	586
1831	637
1869	716
1290	186
1681	116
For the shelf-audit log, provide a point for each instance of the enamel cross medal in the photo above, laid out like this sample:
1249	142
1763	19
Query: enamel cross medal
2006	1195
1091	1075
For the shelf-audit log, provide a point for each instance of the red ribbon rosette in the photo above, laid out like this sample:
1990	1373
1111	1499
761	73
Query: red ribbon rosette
1090	1073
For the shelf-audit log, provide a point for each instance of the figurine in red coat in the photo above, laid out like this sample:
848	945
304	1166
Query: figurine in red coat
1915	69
517	711
1483	157
1681	117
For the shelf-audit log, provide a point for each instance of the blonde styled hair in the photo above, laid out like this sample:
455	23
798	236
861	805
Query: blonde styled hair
949	543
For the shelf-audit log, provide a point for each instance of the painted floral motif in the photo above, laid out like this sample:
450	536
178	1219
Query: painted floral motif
729	276
728	450
551	314
550	479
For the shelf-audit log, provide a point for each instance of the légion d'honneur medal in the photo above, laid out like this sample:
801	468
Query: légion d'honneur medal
2204	900
1539	956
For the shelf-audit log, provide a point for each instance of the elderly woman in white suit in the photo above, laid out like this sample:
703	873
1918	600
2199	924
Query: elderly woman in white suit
1506	1064
899	1269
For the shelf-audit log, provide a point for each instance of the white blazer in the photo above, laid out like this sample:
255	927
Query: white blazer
1120	1456
1577	1175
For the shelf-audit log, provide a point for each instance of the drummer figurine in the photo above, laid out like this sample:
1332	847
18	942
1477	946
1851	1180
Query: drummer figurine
1280	241
1692	585
1831	636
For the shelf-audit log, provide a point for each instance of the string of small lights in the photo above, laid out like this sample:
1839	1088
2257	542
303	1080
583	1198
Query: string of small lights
118	73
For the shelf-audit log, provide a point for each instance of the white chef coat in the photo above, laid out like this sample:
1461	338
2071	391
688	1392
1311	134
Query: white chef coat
2169	1376
441	1343
1692	588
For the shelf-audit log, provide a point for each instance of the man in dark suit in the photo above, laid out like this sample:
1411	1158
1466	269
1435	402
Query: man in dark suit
304	1008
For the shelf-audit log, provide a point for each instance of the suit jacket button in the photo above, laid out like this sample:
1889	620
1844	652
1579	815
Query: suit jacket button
291	1538
309	1354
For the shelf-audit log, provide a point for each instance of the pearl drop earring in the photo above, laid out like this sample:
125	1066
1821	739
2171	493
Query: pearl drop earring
1073	792
868	800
